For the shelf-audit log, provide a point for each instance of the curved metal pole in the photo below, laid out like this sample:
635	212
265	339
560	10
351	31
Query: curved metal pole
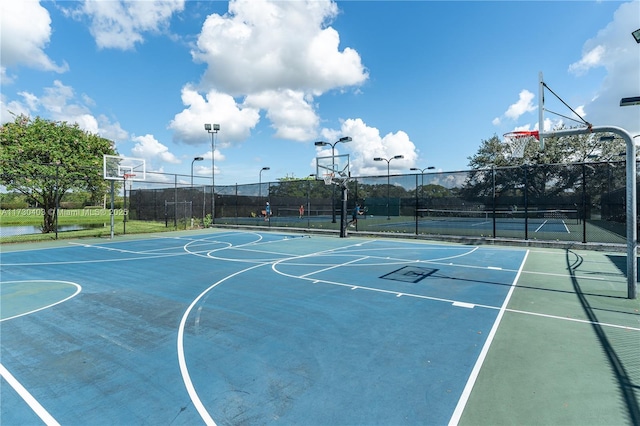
631	196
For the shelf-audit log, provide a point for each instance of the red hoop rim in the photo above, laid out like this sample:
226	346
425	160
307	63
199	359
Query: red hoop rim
523	134
128	175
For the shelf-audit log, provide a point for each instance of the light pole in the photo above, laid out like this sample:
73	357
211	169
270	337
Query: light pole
397	157
212	129
194	160
416	169
343	139
260	183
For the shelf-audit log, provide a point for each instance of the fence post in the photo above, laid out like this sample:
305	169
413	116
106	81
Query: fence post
417	206
493	197
526	202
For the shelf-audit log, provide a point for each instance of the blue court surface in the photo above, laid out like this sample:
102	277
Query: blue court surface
229	327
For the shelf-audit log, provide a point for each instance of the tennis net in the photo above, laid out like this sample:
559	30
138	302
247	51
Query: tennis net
531	215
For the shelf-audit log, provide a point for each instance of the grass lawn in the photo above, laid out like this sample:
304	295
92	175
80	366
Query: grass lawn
96	217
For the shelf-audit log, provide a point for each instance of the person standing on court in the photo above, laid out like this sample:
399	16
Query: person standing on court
301	210
267	212
354	215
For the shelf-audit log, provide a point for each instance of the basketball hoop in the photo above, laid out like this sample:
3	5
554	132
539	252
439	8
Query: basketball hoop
328	178
518	141
128	176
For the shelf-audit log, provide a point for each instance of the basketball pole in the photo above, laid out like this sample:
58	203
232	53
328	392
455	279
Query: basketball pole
112	206
631	197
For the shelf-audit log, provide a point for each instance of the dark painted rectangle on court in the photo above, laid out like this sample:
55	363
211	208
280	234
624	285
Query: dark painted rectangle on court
409	274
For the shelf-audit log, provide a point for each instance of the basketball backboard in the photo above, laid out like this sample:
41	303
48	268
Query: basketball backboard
338	165
120	168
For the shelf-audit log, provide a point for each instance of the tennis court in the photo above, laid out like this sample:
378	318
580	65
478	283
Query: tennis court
243	327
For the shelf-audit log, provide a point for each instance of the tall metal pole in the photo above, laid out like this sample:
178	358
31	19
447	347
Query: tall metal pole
388	190
260	183
631	197
396	157
193	161
213	178
333	187
213	129
493	197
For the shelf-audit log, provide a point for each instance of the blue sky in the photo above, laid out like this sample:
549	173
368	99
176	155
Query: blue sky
426	79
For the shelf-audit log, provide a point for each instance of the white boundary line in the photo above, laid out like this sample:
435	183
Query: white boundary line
184	371
78	290
28	398
462	402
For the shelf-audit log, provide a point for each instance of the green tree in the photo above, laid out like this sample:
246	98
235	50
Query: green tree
494	165
44	159
567	149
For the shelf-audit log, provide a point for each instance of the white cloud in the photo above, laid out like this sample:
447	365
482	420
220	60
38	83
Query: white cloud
366	144
25	31
523	105
122	24
188	125
590	59
11	109
267	45
151	150
619	54
279	55
290	114
61	104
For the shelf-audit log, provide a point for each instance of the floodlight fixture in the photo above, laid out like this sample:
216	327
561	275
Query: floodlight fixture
321	143
636	35
417	169
634	100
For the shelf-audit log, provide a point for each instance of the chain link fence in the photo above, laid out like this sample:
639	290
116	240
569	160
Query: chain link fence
582	202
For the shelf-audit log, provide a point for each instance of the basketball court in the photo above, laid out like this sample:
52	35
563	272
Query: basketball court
231	327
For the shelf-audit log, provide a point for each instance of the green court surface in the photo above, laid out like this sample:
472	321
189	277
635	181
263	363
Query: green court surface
568	348
316	330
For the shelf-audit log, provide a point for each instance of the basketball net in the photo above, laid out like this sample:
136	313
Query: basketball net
518	141
328	178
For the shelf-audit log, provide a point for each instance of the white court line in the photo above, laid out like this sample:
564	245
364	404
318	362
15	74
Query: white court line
28	398
480	223
601	324
78	290
462	402
184	371
334	266
540	227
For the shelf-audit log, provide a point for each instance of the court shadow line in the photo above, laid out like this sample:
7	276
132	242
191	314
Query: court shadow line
625	383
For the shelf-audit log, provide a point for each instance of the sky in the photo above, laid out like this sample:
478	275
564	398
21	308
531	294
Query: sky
429	80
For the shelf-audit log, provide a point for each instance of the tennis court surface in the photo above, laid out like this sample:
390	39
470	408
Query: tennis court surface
230	327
